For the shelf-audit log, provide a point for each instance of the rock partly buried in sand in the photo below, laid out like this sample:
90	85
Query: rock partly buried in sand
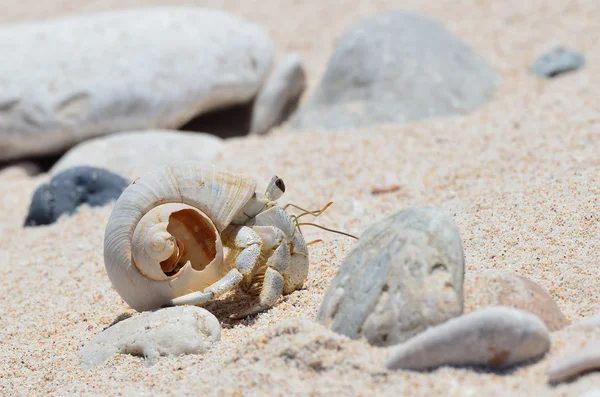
494	337
558	61
575	364
134	153
171	331
393	68
77	77
500	288
71	188
404	275
279	98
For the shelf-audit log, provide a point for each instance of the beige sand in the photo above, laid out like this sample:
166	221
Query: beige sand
521	176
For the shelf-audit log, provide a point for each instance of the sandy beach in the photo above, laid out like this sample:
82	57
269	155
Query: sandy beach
520	175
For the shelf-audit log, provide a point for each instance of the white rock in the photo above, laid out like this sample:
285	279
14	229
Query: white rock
167	332
73	78
495	337
587	322
571	365
595	392
134	153
280	96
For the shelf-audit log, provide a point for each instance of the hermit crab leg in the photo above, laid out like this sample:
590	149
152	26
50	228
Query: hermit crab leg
238	237
273	283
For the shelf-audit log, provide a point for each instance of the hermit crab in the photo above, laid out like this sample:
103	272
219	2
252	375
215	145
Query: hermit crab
166	239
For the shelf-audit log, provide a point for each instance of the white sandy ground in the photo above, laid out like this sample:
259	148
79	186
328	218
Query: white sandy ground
520	175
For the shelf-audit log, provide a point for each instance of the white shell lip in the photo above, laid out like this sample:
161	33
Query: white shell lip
217	193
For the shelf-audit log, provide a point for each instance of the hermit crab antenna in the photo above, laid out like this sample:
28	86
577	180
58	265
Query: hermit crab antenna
315	214
275	188
325	228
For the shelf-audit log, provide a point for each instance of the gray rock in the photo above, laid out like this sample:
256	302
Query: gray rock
279	98
558	61
69	79
71	188
495	337
405	274
574	364
394	68
134	153
171	331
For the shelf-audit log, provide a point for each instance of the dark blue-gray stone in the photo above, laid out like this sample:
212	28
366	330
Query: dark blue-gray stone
405	274
558	61
69	189
393	68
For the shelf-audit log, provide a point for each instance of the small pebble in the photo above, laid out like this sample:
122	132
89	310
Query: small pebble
587	322
591	393
574	364
558	61
71	188
166	332
502	288
494	337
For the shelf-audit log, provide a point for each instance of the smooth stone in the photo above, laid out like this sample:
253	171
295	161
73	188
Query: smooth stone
558	61
587	322
501	288
77	77
280	96
404	274
595	392
574	364
171	331
71	188
495	337
134	153
393	68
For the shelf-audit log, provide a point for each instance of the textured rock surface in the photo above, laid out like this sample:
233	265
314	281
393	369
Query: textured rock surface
134	153
500	288
71	188
396	67
574	364
404	274
73	78
558	61
280	96
495	337
167	332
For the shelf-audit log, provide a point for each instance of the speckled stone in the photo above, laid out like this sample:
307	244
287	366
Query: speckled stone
405	274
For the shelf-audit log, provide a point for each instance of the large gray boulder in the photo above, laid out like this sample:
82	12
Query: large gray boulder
405	274
63	81
393	68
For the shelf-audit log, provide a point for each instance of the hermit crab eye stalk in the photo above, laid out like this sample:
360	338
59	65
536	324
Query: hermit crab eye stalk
275	189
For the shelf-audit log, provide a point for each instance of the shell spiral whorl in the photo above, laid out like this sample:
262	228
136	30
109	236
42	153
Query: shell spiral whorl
163	240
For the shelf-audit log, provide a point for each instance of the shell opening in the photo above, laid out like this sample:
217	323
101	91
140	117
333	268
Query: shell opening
196	241
170	236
